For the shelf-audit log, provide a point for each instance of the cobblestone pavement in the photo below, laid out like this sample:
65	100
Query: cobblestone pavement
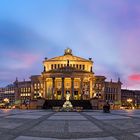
86	125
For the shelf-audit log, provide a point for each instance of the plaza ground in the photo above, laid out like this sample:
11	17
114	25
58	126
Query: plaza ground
86	125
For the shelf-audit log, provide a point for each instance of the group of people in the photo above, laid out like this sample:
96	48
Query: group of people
106	108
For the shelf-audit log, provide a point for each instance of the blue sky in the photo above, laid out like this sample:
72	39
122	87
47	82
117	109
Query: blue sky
108	31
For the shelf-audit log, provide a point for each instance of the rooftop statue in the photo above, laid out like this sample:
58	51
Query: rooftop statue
68	51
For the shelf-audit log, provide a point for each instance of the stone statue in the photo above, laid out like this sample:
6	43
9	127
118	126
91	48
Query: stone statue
67	106
67	96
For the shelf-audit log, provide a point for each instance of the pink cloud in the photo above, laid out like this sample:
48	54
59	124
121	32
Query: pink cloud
134	77
23	60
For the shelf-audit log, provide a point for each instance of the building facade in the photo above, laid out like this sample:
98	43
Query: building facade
130	98
7	94
68	74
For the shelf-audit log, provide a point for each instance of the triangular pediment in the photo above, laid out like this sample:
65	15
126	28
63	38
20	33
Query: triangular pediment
68	57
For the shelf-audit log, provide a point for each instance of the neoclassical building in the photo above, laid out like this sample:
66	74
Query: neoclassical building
68	74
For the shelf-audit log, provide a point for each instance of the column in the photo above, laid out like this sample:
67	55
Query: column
72	88
53	87
90	88
81	88
63	88
45	89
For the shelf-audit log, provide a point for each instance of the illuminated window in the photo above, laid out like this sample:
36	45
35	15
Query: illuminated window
38	85
76	84
59	84
35	86
28	89
41	85
67	85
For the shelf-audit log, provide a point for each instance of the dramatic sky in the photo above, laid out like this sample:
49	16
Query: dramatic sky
106	30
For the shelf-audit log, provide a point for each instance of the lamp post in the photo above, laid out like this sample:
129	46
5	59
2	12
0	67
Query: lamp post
129	100
6	100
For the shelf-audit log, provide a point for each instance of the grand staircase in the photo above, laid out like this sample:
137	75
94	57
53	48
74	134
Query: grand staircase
49	104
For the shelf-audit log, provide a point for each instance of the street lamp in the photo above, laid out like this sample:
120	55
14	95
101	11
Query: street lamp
6	100
129	100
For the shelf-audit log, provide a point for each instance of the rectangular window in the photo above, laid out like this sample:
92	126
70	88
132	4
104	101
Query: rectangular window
77	66
67	85
76	85
55	66
83	67
58	84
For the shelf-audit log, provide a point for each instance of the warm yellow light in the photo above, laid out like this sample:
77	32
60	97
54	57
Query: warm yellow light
6	100
133	107
129	100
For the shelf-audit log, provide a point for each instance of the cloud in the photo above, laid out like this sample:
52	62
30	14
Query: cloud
134	77
24	60
108	31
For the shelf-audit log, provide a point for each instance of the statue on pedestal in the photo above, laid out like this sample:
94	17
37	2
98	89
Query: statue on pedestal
67	105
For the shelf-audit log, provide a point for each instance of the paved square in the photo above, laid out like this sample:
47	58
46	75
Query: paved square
50	126
38	138
109	117
83	126
9	125
67	114
26	116
86	125
67	117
